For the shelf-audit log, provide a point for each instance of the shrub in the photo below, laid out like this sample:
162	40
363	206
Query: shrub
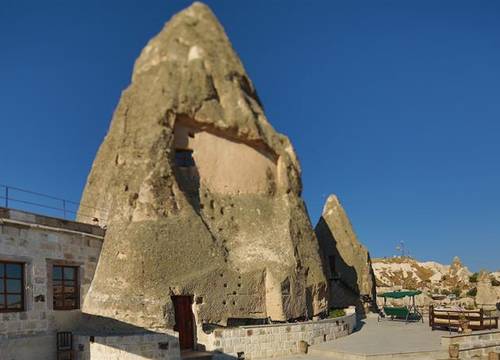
334	313
472	292
473	277
456	292
495	282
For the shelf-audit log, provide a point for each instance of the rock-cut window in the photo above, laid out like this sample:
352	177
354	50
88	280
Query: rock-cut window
184	158
65	287
11	286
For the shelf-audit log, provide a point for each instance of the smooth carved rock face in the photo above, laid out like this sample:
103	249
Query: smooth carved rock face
346	261
199	194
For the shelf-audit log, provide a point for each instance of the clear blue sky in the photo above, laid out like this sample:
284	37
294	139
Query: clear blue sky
392	105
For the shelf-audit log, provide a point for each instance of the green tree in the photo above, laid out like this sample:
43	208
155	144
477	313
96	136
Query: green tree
456	292
473	277
472	292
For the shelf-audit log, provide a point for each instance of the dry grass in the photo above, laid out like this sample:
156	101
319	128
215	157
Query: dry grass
423	273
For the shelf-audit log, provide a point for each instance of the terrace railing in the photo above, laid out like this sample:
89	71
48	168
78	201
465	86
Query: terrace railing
43	204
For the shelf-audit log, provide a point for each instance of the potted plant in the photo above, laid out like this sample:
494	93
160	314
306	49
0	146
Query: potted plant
463	324
454	351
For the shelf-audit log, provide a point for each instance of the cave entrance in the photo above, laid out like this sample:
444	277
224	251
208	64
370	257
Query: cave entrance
184	320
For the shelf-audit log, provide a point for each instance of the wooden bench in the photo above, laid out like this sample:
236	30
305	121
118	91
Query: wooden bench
453	319
397	312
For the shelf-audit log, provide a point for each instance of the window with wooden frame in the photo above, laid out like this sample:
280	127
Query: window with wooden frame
65	287
11	286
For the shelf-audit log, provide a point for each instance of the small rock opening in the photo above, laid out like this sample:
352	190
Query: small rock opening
184	158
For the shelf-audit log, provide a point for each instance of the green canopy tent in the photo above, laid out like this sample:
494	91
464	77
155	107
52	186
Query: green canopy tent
406	312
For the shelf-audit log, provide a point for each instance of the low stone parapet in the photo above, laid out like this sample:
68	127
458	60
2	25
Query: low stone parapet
477	344
153	346
266	341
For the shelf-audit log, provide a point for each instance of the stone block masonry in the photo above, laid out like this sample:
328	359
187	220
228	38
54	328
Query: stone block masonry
39	243
267	341
152	346
474	345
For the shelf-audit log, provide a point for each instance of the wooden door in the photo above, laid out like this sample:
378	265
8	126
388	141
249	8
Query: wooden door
184	321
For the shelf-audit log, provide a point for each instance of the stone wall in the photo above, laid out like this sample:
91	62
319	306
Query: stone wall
152	346
41	242
475	345
29	347
266	341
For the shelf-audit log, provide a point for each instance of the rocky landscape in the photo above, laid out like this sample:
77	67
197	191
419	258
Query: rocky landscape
454	283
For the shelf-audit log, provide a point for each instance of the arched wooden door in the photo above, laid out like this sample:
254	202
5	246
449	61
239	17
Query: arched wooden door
184	320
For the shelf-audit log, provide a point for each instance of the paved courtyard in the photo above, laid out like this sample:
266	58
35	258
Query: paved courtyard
382	340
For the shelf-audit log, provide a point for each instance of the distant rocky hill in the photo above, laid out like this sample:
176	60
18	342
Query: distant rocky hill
438	281
409	273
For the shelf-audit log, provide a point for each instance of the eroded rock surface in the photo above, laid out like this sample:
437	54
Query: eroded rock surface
346	261
408	273
488	296
199	194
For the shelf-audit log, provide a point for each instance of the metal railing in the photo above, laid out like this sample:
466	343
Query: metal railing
32	201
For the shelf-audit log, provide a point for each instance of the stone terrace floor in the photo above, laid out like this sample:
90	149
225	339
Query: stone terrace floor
382	340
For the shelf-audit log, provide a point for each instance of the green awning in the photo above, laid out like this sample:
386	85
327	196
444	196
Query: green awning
401	294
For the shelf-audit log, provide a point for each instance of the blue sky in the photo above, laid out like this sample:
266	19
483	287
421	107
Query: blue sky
392	105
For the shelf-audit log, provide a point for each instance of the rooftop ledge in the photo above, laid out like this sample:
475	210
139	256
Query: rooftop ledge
307	322
30	219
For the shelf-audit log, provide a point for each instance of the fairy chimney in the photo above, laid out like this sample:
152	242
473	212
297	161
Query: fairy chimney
346	261
199	194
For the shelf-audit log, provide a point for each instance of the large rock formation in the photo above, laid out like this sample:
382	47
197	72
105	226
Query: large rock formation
346	262
199	194
488	296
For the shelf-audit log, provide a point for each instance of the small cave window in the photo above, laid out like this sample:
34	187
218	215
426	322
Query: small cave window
285	287
184	158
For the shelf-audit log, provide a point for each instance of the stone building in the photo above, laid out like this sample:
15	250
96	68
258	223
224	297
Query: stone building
46	266
346	261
